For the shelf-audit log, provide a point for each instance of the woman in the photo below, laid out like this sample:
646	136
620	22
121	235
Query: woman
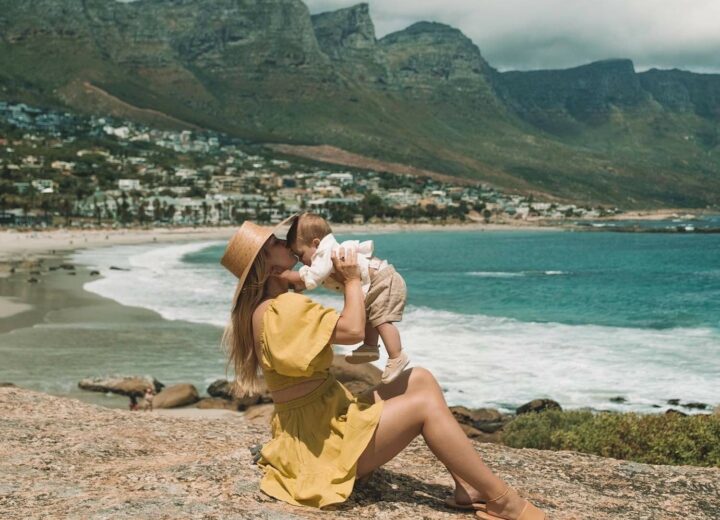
323	437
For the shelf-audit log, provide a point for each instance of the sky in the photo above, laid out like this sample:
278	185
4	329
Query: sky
552	34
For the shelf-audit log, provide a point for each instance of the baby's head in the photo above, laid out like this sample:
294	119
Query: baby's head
305	235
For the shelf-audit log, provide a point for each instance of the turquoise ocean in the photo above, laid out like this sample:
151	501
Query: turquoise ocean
499	317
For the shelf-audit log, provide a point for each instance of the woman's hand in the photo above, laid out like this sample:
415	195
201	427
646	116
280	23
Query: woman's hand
345	264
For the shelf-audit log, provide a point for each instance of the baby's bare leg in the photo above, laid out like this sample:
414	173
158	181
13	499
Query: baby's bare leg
371	335
391	339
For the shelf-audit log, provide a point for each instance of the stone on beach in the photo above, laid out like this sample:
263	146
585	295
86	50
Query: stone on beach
487	420
217	403
356	378
538	405
222	388
123	385
174	396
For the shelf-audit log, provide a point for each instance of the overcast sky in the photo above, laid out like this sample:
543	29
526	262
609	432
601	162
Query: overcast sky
543	34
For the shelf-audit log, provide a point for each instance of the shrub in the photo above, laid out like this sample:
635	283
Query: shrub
653	439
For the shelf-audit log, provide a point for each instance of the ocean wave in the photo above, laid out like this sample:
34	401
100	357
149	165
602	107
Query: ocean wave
514	274
479	360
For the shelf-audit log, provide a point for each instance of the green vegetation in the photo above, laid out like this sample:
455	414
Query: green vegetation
652	439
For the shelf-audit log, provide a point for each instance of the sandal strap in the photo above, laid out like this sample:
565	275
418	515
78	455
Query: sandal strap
507	490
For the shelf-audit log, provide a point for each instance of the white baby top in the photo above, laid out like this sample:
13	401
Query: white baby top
318	272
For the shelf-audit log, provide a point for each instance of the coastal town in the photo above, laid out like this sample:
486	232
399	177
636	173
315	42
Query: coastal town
64	169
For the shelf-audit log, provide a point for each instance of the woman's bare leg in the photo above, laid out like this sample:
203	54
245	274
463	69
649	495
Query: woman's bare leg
414	405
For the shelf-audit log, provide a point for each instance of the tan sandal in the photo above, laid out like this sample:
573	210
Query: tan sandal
529	512
472	506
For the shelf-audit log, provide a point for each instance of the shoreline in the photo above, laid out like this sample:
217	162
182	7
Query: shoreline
59	296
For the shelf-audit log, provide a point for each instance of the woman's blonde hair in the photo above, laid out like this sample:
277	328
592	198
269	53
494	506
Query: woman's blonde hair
238	340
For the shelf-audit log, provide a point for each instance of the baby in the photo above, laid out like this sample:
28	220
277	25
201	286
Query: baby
310	239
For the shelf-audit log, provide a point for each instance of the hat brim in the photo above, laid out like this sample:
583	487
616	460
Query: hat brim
270	231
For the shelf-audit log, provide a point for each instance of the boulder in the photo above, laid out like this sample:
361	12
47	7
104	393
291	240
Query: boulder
216	403
672	411
538	405
618	400
94	273
123	385
33	280
357	378
695	406
182	394
673	402
261	414
488	420
67	267
222	389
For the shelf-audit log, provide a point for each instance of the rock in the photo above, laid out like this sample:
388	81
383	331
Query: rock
173	396
67	267
94	273
115	268
53	268
37	273
673	402
222	388
86	461
33	280
672	411
123	385
217	403
360	377
695	406
8	385
618	399
538	405
261	414
488	420
72	273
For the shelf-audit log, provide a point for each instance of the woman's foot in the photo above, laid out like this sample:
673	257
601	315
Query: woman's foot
466	499
510	506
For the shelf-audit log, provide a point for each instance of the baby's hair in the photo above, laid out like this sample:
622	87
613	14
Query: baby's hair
307	227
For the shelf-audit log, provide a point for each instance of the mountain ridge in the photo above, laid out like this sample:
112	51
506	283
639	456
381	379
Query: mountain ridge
424	96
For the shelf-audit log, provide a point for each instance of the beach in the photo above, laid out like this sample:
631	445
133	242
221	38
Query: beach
36	292
600	329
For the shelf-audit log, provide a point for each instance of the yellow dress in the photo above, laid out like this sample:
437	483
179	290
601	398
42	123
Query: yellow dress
318	438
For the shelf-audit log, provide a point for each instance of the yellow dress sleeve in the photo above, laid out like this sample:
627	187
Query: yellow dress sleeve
295	330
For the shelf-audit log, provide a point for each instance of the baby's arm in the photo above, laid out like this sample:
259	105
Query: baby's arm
294	279
316	273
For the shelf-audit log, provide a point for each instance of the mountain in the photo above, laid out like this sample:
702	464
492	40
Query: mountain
424	96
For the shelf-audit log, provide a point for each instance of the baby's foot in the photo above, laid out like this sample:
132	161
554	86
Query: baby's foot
394	367
363	354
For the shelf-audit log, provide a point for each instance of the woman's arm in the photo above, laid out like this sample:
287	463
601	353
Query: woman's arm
350	328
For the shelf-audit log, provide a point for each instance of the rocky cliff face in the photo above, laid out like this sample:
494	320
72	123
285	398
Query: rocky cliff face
429	55
582	94
60	455
682	91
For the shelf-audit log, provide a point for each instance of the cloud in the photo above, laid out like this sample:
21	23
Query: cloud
534	34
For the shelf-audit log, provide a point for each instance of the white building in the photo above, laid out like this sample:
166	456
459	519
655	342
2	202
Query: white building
128	184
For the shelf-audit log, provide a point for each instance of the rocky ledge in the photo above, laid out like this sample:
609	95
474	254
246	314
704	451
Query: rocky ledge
61	455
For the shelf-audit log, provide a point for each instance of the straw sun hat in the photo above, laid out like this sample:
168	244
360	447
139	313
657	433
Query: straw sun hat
244	246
